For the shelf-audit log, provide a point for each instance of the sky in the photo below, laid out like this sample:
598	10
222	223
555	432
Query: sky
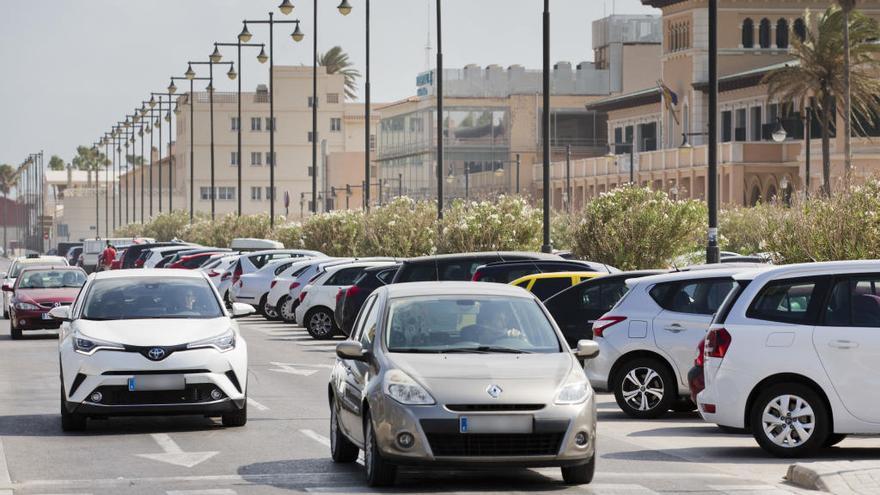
69	69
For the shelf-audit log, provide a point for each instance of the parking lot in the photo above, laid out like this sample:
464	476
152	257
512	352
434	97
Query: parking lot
284	447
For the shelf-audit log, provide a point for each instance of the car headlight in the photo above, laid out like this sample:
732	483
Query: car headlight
224	342
576	390
23	306
400	387
84	344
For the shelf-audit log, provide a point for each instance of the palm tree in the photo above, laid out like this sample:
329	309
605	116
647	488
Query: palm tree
90	159
8	179
818	72
336	61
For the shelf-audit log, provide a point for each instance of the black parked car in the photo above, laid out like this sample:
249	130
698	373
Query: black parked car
504	272
576	308
458	267
349	302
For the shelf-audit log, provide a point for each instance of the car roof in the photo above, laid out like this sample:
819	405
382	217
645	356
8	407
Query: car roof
722	271
359	264
40	259
51	267
304	252
541	276
416	289
806	269
453	256
148	273
382	267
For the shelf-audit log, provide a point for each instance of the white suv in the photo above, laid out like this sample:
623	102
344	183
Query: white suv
648	339
794	355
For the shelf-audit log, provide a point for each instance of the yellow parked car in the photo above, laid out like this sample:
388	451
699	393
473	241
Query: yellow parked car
544	285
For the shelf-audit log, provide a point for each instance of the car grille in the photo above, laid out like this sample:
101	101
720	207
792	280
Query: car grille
493	407
117	395
501	445
50	305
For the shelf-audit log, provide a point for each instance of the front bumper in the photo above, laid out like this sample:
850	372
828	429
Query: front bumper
438	440
33	320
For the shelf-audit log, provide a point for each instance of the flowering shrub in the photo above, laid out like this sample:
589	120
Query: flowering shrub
290	235
635	228
403	228
337	233
507	224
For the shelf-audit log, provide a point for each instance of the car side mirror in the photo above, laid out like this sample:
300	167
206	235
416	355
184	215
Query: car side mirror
587	349
8	288
60	313
240	310
353	350
2	274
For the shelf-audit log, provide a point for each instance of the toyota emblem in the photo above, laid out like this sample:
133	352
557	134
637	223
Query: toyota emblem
156	353
494	391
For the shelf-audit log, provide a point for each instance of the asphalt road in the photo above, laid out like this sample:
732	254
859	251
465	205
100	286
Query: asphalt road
284	447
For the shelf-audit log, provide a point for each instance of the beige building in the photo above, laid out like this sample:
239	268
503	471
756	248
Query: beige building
668	135
75	205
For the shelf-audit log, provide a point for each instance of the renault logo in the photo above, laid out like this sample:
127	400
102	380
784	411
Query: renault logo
156	353
494	391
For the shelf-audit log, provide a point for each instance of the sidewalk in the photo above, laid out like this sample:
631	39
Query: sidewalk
838	477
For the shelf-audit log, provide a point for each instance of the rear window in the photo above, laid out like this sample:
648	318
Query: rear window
386	276
546	287
701	297
724	309
281	267
786	301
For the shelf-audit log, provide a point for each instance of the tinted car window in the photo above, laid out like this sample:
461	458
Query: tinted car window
421	272
51	279
786	301
386	276
458	270
546	287
702	297
150	297
854	302
281	267
345	276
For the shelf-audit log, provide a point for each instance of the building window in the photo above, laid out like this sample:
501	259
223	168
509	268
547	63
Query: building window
764	33
270	160
335	124
311	171
256	124
800	29
269	122
256	158
270	193
739	131
756	132
679	36
256	193
748	33
332	97
311	101
372	142
234	122
618	135
781	33
205	193
310	136
225	193
233	158
726	126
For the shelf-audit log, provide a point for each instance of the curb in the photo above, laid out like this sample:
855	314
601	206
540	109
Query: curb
839	478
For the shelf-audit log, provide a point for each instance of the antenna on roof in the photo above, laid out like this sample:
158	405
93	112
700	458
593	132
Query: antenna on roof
428	47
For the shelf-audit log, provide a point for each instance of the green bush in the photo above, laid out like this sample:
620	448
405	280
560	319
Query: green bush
744	230
337	233
403	228
635	228
507	224
290	235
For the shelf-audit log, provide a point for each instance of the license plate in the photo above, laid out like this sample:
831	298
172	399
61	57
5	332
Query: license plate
143	383
519	423
45	316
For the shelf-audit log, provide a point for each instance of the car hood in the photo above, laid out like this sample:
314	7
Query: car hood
153	332
465	378
63	295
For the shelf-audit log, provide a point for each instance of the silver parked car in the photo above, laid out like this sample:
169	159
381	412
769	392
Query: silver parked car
461	374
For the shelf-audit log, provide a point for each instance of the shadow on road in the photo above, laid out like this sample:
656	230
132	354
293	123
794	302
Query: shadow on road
42	335
738	455
49	425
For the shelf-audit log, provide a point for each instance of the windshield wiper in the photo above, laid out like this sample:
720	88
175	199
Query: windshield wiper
416	350
508	350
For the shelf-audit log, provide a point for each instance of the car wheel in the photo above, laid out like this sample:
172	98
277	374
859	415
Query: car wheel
287	309
581	474
379	471
645	388
834	439
70	421
789	420
14	331
269	310
319	323
237	418
341	448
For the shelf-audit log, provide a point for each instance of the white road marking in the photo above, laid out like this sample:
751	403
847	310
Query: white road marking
5	480
256	405
290	370
218	491
173	454
748	489
326	442
328	366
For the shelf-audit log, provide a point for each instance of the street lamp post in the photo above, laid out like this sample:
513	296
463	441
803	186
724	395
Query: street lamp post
439	111
297	36
713	255
231	75
192	151
546	247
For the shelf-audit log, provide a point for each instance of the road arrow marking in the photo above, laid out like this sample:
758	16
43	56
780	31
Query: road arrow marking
296	369
174	454
256	405
326	442
327	366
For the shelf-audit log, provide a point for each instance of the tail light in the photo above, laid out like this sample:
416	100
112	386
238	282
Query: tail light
477	276
352	291
302	296
604	323
717	342
213	273
294	285
225	276
700	358
339	294
236	274
272	285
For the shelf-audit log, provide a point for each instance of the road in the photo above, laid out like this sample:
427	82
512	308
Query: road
284	447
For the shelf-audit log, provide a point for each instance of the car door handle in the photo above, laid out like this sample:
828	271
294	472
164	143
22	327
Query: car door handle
674	328
843	344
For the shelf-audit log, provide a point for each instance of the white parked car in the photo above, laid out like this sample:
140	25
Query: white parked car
216	269
281	285
32	261
253	288
648	339
157	253
151	342
794	356
317	300
251	262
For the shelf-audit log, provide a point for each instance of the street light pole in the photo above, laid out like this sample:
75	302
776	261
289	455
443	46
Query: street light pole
546	247
808	136
315	109
439	111
712	252
568	177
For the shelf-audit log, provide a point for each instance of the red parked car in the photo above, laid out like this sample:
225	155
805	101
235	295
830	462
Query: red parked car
36	291
192	261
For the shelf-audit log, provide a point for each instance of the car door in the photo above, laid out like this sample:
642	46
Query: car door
357	372
688	307
848	343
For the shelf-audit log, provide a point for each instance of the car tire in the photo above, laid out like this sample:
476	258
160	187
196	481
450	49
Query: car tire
268	310
379	472
777	403
834	439
319	323
581	474
237	418
70	422
645	388
287	309
341	449
14	331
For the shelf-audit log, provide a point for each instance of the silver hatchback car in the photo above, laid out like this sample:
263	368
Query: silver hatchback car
461	374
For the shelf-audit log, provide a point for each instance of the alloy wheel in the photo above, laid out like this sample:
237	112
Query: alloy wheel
788	421
642	389
321	324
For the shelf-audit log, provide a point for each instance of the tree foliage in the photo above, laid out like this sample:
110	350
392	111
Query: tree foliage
336	62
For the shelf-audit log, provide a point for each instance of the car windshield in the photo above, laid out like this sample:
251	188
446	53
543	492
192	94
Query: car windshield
478	324
134	298
52	279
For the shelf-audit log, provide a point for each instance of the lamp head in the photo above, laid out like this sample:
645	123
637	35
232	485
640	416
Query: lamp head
216	56
152	101
232	74
244	36
499	172
297	34
262	57
172	88
779	133
190	73
286	7
344	7
168	116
